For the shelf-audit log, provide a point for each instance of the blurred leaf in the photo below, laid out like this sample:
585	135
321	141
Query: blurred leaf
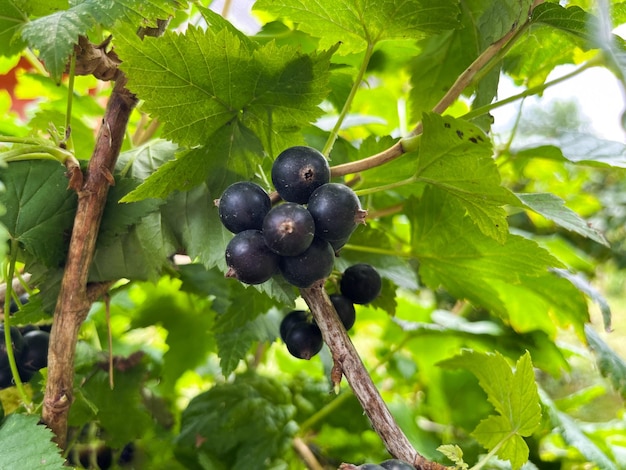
39	208
456	157
19	432
12	18
355	24
241	423
609	362
514	396
553	208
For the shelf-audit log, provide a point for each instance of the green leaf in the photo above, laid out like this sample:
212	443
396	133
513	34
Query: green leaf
573	19
455	155
356	24
573	435
12	19
455	454
553	208
510	279
240	423
514	396
55	35
39	208
220	79
19	432
611	365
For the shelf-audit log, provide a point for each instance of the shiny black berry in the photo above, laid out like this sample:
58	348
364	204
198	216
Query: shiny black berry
292	318
336	211
249	259
297	171
361	283
288	229
345	309
304	340
35	353
6	378
243	206
395	464
314	264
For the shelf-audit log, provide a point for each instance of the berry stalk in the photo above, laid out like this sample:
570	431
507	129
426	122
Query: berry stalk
348	363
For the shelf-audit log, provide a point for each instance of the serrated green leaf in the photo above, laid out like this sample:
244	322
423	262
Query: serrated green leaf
12	18
611	365
510	279
240	423
39	208
455	156
553	208
55	35
219	79
455	454
358	23
572	19
515	397
143	161
19	432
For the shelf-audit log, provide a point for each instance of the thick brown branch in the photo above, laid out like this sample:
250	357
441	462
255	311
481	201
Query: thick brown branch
74	300
348	363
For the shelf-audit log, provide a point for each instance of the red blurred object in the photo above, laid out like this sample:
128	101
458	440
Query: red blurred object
9	81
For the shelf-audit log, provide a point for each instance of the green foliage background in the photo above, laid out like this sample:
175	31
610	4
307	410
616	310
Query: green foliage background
502	257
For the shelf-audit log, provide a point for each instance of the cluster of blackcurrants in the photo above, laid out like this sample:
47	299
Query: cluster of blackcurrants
390	464
359	284
30	348
299	237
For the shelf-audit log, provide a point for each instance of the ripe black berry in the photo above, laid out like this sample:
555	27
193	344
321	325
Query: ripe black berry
314	264
361	283
35	353
243	206
14	306
370	466
345	310
304	340
395	464
288	229
297	171
249	259
336	211
292	318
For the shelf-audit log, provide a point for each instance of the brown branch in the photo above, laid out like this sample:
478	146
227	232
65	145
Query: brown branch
74	298
347	362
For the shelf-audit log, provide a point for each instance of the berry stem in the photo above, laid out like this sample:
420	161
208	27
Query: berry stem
348	363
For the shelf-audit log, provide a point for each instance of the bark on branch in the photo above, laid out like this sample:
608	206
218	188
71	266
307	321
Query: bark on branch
75	298
348	362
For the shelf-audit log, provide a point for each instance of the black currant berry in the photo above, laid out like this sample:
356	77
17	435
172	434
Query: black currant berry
288	229
35	353
370	466
304	340
18	345
14	307
345	310
361	283
314	264
292	318
6	378
395	464
249	259
243	206
336	211
297	171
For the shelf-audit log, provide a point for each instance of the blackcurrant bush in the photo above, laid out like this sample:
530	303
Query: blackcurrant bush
361	283
249	259
297	171
345	310
35	353
292	318
288	229
314	264
336	211
243	206
18	345
395	464
304	340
